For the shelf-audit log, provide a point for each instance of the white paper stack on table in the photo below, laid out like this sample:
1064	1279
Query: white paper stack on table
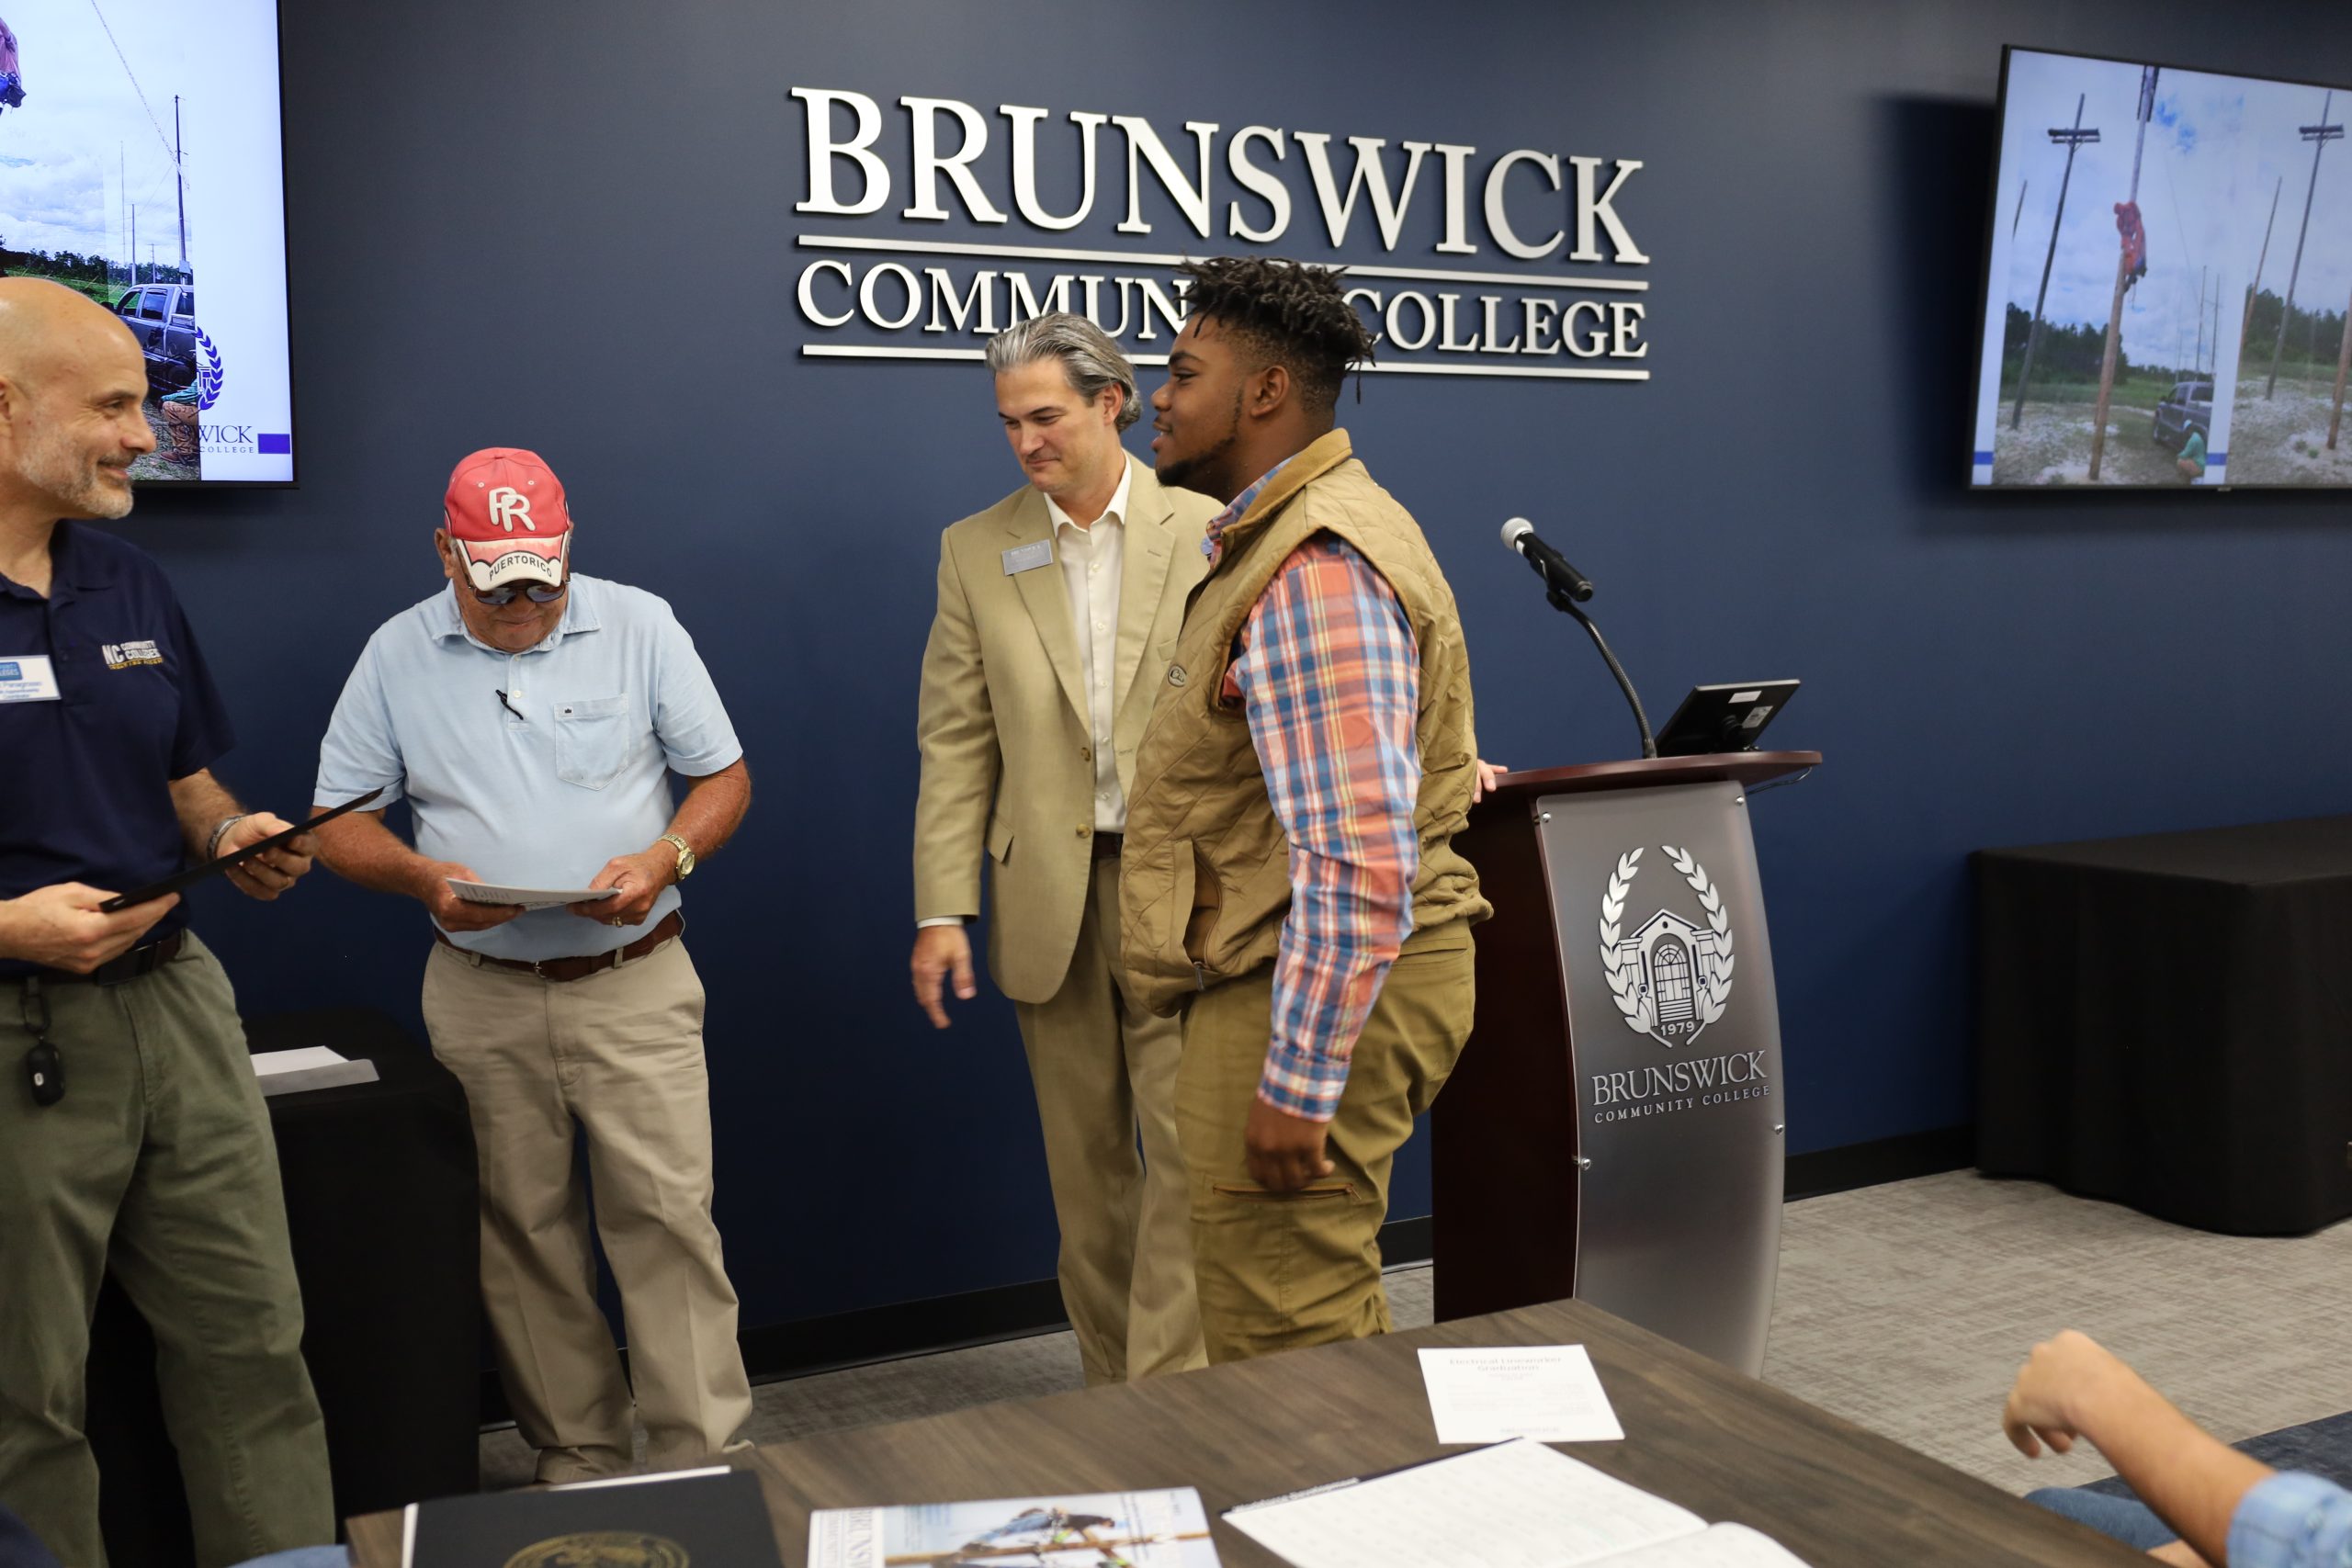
1516	1505
529	898
313	1067
1547	1391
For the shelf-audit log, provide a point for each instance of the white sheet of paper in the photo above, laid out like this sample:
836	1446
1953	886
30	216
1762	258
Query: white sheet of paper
268	1062
529	898
1546	1392
1517	1505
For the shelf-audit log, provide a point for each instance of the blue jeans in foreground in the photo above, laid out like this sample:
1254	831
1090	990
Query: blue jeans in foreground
2127	1519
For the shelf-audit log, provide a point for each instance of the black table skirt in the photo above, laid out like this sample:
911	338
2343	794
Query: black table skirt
380	1199
2166	1021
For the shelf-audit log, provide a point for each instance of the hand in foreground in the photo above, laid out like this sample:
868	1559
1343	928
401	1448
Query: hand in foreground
941	953
453	913
640	878
2178	1554
1285	1152
272	872
1484	785
60	927
2045	1404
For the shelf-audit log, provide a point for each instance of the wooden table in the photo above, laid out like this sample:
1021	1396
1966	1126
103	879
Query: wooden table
1724	1446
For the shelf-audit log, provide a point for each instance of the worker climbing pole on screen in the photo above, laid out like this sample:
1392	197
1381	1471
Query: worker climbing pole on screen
12	71
2135	241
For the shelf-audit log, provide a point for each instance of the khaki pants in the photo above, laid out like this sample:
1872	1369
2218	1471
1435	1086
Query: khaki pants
620	1054
158	1164
1105	1072
1281	1271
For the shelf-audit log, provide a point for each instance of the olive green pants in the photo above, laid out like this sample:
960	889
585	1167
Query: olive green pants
158	1165
1281	1271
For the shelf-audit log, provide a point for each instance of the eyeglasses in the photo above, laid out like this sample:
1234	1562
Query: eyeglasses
499	597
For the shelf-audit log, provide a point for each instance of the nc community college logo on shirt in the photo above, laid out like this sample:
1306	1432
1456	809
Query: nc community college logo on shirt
124	655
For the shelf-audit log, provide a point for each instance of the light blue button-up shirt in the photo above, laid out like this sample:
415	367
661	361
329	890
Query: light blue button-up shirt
604	709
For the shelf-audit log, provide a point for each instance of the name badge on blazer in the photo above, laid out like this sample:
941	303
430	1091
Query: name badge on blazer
1028	557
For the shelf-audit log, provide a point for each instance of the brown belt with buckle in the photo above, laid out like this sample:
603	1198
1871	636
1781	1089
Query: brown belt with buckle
138	962
672	924
1108	845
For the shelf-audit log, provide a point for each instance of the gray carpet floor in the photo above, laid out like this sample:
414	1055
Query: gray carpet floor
1904	1308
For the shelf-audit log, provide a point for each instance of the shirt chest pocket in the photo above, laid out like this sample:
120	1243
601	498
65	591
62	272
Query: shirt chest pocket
594	738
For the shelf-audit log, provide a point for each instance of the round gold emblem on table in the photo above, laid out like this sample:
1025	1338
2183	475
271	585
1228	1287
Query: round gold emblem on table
602	1549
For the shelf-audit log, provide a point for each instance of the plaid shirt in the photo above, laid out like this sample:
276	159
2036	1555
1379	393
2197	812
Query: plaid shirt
2293	1520
1329	676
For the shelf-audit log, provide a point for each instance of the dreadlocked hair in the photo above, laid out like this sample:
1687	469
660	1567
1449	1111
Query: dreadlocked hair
1292	313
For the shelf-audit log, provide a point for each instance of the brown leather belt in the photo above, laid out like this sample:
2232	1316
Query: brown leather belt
131	965
560	969
1107	845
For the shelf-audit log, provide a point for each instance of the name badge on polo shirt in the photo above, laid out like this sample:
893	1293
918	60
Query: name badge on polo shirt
1028	557
27	679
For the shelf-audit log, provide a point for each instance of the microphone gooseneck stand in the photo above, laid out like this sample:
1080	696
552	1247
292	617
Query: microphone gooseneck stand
1560	600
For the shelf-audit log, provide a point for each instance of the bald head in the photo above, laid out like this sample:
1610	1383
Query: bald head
72	387
45	328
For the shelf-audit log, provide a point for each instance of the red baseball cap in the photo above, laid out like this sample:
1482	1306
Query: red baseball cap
504	508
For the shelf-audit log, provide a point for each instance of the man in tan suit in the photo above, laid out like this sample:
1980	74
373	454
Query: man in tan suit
1050	603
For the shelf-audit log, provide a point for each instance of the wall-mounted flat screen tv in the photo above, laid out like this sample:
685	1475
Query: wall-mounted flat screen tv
2170	274
141	163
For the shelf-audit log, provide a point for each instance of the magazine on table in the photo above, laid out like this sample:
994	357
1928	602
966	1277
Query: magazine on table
1097	1530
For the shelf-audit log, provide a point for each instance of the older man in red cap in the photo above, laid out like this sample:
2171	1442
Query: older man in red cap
532	717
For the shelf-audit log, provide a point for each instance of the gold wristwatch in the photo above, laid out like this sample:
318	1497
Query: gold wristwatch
686	854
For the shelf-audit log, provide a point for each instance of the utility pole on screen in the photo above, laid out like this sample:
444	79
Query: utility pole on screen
2343	364
180	177
2071	140
2246	328
2201	321
2319	136
2122	279
2021	211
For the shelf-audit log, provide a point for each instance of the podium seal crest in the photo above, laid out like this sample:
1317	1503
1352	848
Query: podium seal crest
1670	975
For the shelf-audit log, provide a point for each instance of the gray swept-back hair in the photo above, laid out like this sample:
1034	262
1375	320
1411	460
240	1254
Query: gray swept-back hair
1088	357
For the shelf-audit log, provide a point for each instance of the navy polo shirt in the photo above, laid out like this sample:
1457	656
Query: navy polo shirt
86	794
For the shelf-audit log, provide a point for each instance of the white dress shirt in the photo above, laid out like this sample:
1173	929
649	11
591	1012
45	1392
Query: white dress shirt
1090	558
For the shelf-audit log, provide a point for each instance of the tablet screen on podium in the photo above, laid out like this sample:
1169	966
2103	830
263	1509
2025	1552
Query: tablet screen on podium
1728	718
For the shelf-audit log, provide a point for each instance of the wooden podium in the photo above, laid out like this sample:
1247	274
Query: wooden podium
1613	1129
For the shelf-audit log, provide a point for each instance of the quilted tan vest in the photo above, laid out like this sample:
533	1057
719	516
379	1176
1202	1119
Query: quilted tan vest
1206	875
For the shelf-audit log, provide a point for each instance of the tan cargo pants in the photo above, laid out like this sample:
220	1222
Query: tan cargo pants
1279	1270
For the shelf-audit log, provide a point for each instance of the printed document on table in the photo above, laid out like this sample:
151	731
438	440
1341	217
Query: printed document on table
1547	1391
529	898
1516	1505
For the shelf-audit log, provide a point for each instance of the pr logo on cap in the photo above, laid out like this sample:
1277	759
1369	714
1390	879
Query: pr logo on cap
508	505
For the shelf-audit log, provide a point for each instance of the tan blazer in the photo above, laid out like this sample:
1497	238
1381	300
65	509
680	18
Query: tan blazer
1006	761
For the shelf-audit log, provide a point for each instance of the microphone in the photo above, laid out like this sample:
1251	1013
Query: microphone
1549	564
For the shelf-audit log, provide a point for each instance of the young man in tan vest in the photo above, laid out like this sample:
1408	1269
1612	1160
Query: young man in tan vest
1059	607
1290	884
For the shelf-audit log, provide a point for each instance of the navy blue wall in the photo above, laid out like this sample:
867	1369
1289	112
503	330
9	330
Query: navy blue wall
568	226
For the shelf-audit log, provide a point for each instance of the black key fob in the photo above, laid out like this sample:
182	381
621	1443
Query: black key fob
45	1073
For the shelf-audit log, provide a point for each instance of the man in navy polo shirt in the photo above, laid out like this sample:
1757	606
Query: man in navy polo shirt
533	718
132	1136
